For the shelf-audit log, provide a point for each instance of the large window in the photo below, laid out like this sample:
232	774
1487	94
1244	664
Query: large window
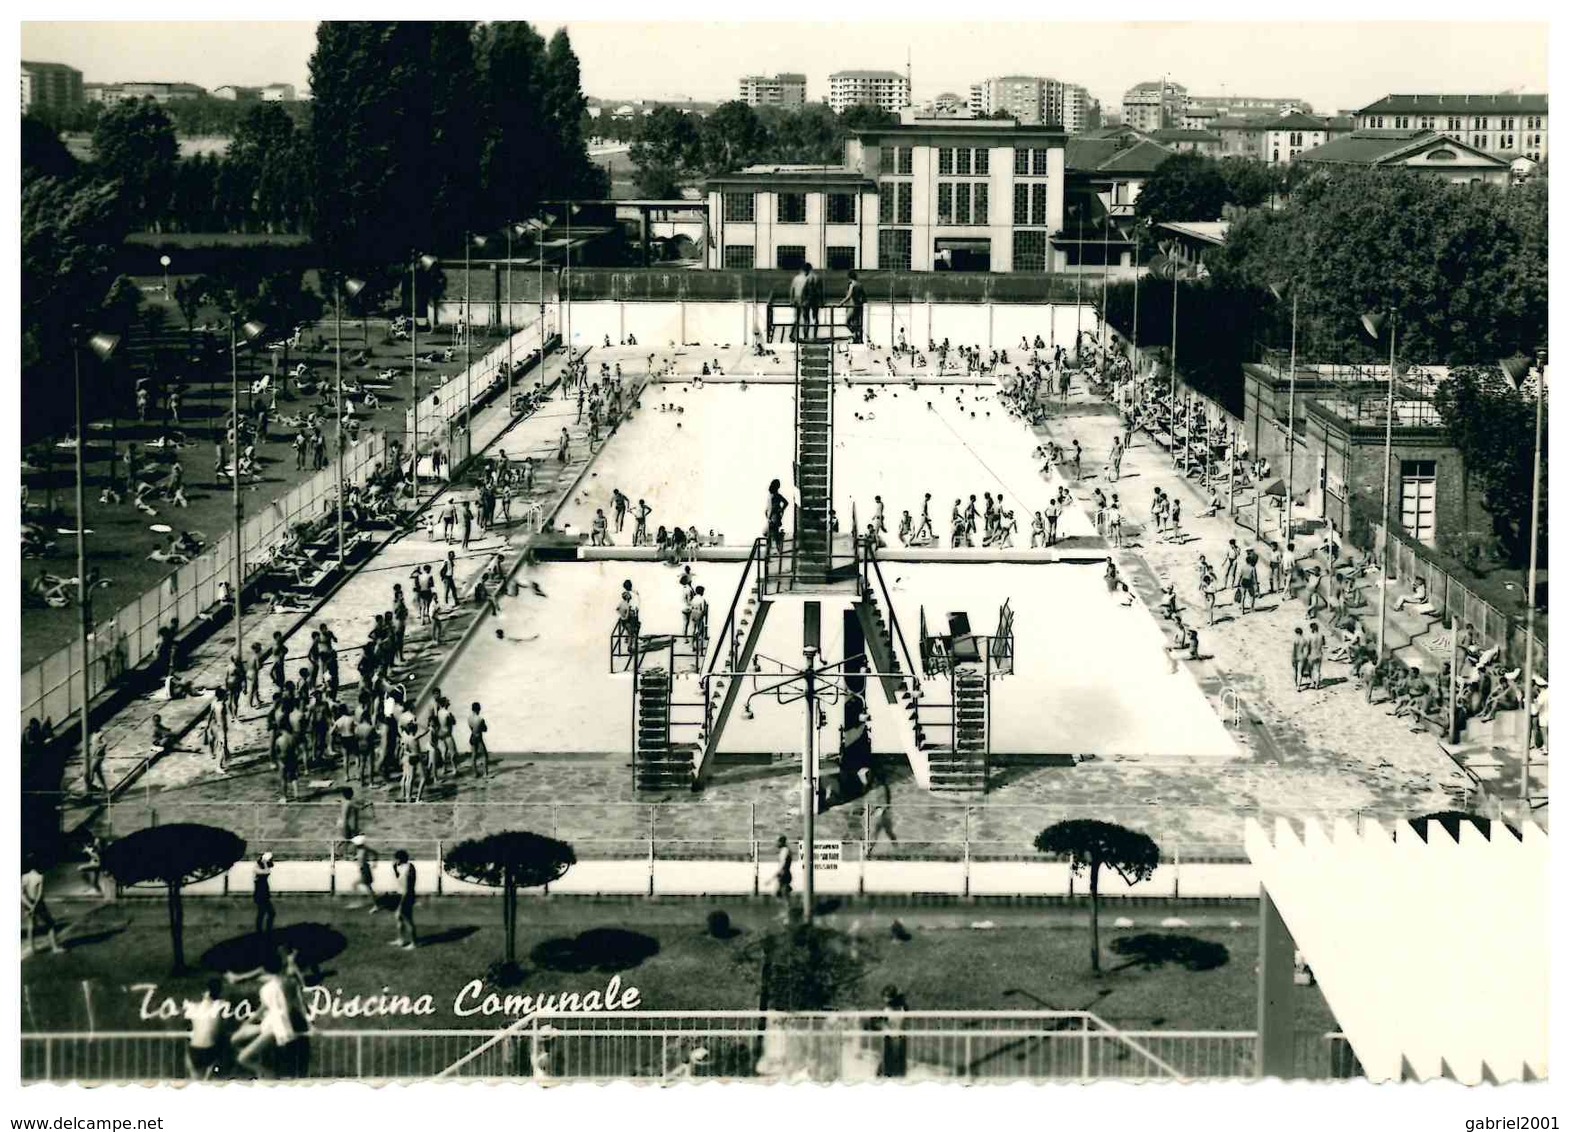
962	202
963	162
1040	162
1030	199
792	208
893	249
1418	496
1021	202
741	256
841	208
790	256
741	207
1029	251
905	208
840	258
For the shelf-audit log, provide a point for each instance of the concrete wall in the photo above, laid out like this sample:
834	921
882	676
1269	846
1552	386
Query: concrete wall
989	325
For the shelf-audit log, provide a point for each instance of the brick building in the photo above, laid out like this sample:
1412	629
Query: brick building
1339	450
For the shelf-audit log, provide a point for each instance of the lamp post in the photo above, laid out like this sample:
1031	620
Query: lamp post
1373	322
1516	369
164	261
1279	290
103	347
250	331
1076	211
1137	231
1105	279
351	287
418	264
1168	248
468	335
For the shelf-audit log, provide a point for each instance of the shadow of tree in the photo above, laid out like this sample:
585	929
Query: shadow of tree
598	949
1156	949
315	943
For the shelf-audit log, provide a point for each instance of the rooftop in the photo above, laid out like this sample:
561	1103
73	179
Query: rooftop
1458	104
1298	122
1374	147
1209	231
1141	157
894	76
1184	136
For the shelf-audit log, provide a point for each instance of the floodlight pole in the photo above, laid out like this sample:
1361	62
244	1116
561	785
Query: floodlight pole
237	558
1528	674
809	782
83	591
1389	453
337	302
1291	418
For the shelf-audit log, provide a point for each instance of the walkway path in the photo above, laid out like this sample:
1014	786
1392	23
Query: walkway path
350	611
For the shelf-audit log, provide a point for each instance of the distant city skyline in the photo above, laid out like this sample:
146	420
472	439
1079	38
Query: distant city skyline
1333	65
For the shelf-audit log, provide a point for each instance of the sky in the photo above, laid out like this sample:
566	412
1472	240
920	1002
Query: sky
1333	65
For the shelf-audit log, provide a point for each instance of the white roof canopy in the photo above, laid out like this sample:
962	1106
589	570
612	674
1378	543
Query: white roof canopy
1433	954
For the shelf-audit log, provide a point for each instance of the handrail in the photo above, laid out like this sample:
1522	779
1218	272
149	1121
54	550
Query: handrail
728	627
893	616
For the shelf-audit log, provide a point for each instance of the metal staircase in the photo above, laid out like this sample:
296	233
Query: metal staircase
658	762
814	412
959	765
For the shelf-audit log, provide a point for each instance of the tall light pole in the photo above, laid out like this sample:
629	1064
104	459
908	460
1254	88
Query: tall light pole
250	331
164	262
1516	369
1279	290
351	287
418	264
468	335
1373	322
1168	248
1137	231
1105	279
103	347
1077	212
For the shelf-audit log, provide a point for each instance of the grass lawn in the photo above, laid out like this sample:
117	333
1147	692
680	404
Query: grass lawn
1032	958
121	538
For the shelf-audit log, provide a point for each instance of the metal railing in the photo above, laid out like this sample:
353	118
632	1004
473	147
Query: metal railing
1372	411
734	1045
713	830
51	689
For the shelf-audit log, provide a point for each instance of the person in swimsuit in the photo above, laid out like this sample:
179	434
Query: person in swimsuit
364	855
403	870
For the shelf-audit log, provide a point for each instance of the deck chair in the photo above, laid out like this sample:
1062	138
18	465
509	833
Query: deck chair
965	648
1002	642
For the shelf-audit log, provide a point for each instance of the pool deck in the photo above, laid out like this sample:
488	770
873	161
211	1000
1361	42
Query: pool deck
1321	754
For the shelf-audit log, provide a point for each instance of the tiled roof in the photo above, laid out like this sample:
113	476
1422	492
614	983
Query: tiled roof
1086	153
1141	157
1458	104
1298	122
1184	136
1373	147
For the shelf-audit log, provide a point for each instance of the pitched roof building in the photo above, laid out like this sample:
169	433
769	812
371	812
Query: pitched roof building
1423	150
1504	124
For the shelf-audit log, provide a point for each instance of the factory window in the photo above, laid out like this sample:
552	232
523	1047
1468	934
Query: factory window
792	208
841	208
739	256
741	207
790	256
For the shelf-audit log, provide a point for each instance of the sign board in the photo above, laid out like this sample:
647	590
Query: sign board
826	857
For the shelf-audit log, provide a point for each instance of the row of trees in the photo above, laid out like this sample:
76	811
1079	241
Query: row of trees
204	116
1191	186
672	147
422	132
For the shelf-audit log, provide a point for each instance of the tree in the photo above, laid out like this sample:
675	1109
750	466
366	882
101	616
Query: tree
175	856
134	146
1492	424
509	861
1249	182
510	58
69	233
1092	845
1188	186
668	150
272	157
732	137
393	140
43	153
1464	266
571	174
